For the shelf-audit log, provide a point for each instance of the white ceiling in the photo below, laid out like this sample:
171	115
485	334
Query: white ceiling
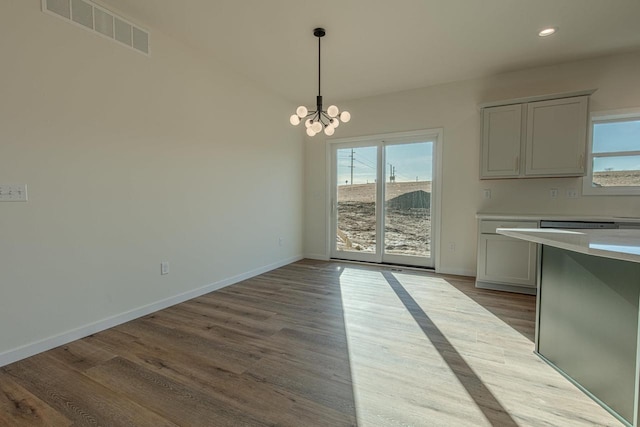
382	46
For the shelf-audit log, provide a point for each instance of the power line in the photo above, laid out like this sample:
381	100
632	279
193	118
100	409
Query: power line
394	175
364	164
372	163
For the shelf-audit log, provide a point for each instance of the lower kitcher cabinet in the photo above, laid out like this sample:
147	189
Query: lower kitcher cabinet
505	263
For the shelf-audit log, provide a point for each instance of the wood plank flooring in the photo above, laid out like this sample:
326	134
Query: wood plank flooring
310	344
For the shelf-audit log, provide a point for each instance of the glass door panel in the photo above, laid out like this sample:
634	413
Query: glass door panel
407	214
355	208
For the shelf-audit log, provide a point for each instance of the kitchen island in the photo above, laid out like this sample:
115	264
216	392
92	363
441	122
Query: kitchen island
588	300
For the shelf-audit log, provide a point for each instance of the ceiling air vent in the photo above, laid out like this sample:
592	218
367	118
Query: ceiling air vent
96	19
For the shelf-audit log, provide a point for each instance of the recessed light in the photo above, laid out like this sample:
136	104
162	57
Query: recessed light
546	32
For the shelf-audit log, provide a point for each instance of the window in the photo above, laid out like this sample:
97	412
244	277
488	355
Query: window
613	165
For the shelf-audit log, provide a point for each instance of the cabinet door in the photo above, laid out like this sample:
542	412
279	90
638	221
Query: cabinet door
502	259
501	141
556	137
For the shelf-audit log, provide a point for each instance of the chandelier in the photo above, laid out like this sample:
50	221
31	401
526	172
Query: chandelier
319	120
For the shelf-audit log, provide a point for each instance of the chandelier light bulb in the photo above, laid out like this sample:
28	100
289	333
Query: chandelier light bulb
317	127
310	132
302	111
345	116
335	122
329	130
294	119
332	111
308	123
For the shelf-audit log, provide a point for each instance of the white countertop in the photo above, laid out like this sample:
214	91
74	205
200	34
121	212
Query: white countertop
616	244
554	217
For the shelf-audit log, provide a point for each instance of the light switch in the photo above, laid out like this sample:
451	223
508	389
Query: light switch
13	192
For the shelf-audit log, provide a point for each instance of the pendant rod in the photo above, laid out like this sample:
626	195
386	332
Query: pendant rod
319	39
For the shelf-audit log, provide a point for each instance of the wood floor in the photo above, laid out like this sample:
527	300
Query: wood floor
310	344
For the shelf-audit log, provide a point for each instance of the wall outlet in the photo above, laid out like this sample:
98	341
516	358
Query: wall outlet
280	241
486	193
572	193
13	192
164	268
553	193
452	246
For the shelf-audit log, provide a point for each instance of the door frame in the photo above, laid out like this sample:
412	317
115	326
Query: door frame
435	135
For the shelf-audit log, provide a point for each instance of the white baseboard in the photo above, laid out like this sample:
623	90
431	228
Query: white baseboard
457	272
319	257
45	344
506	288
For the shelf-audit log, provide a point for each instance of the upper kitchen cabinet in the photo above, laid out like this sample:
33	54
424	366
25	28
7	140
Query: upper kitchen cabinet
556	137
501	141
535	137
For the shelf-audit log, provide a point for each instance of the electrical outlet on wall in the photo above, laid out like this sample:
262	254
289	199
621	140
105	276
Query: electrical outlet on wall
486	193
553	193
13	192
452	246
280	241
164	268
572	193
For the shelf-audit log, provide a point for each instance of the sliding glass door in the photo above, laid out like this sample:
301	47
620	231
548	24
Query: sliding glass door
382	201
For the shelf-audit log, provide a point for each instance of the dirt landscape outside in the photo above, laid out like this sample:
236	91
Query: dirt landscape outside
616	178
407	219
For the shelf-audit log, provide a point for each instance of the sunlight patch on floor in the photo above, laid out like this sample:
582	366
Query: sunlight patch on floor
395	368
422	352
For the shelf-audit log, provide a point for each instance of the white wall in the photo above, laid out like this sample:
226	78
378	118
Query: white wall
454	108
131	160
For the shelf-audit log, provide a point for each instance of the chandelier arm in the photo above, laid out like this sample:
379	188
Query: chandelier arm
325	116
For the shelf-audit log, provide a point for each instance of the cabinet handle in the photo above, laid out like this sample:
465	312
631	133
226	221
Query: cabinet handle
517	164
581	162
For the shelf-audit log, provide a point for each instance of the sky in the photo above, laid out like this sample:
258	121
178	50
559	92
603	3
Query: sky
616	136
412	162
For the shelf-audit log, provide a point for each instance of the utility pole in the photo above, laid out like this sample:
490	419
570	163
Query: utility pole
392	173
352	158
